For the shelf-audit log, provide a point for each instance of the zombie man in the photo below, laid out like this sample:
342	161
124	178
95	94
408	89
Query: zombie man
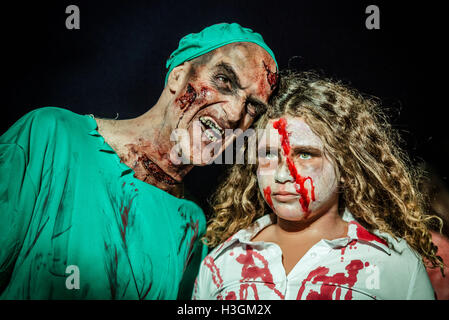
93	208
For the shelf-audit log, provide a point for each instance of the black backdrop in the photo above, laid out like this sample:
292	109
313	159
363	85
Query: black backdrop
115	63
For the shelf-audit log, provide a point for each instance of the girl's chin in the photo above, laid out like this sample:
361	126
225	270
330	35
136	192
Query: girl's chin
290	216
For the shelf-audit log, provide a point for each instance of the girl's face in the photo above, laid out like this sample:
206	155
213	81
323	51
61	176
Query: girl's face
296	178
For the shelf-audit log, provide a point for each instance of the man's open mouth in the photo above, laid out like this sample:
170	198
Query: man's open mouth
215	132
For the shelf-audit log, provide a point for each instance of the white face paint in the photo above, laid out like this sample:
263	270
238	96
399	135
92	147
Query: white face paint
302	183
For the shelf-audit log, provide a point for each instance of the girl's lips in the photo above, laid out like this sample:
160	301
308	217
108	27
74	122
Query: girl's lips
285	196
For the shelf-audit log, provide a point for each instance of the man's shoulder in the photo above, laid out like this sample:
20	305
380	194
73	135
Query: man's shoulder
41	125
51	115
47	120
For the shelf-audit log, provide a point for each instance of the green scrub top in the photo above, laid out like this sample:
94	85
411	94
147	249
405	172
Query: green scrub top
76	224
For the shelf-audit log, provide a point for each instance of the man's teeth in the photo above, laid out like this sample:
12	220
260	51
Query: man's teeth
211	125
210	136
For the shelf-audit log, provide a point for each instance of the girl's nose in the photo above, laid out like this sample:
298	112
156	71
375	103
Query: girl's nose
282	173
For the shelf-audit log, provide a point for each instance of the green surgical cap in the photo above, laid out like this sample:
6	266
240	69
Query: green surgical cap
211	38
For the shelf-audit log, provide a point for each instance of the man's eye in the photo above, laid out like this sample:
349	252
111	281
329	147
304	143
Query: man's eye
223	79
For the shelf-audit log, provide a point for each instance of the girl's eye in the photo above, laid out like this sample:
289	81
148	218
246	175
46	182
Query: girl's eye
305	156
269	154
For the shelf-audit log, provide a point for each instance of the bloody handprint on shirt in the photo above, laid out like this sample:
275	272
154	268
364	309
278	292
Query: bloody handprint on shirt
251	272
331	284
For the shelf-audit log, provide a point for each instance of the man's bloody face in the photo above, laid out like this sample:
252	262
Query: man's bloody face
295	176
228	91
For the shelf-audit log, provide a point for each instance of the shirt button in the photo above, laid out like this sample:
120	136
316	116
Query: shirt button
313	255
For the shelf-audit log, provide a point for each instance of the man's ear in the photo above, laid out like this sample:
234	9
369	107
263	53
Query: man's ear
177	77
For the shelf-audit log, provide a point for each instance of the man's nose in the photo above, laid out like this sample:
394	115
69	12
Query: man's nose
235	110
282	173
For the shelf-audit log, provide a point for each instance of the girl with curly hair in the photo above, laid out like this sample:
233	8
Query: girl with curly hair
331	209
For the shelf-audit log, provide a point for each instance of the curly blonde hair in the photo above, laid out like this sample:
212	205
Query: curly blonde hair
379	185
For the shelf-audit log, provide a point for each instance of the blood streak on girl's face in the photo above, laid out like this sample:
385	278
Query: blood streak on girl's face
295	176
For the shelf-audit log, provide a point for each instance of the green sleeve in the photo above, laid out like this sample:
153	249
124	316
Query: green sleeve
17	198
188	280
22	152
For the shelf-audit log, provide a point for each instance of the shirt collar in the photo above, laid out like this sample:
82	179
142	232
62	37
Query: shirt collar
244	235
103	146
355	232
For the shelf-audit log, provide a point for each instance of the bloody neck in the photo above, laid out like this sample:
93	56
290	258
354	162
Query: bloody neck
152	165
144	146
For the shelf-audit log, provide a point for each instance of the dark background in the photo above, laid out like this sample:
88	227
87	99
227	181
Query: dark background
116	62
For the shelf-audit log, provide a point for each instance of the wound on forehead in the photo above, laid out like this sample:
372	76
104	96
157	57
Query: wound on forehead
272	77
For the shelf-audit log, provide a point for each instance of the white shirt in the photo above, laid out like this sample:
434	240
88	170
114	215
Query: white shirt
359	266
